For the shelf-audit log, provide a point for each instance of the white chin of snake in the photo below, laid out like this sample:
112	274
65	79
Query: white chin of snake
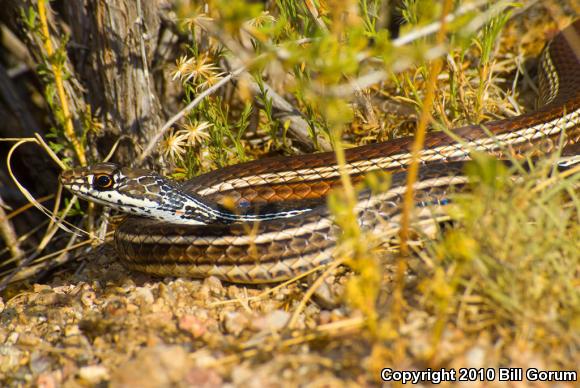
138	207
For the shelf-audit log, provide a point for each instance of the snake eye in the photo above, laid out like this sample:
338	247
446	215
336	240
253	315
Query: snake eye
103	181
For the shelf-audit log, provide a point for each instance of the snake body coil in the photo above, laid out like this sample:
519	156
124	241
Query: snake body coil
279	228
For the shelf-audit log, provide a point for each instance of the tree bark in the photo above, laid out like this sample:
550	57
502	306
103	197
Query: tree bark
112	45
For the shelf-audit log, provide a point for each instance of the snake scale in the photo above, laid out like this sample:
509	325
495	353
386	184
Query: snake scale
279	226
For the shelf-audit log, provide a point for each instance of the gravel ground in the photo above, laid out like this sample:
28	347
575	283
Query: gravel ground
98	324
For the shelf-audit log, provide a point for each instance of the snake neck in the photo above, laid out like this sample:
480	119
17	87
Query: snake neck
180	207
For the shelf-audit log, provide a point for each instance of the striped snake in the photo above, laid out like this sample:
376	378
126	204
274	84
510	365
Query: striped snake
279	226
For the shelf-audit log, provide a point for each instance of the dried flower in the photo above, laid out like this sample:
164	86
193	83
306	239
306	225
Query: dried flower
195	68
198	20
195	131
210	81
261	20
172	146
181	66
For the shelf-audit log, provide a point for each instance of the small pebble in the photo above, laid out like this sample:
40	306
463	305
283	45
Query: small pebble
144	296
212	286
235	322
93	374
475	357
273	321
192	325
88	298
198	377
39	363
71	330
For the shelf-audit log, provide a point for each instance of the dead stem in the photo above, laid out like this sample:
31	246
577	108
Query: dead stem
58	80
417	147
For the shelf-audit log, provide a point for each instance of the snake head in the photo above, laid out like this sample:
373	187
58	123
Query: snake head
146	194
130	190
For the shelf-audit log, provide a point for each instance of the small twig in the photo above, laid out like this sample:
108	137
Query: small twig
365	101
49	151
315	14
311	290
543	184
333	329
33	264
27	206
114	147
420	136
